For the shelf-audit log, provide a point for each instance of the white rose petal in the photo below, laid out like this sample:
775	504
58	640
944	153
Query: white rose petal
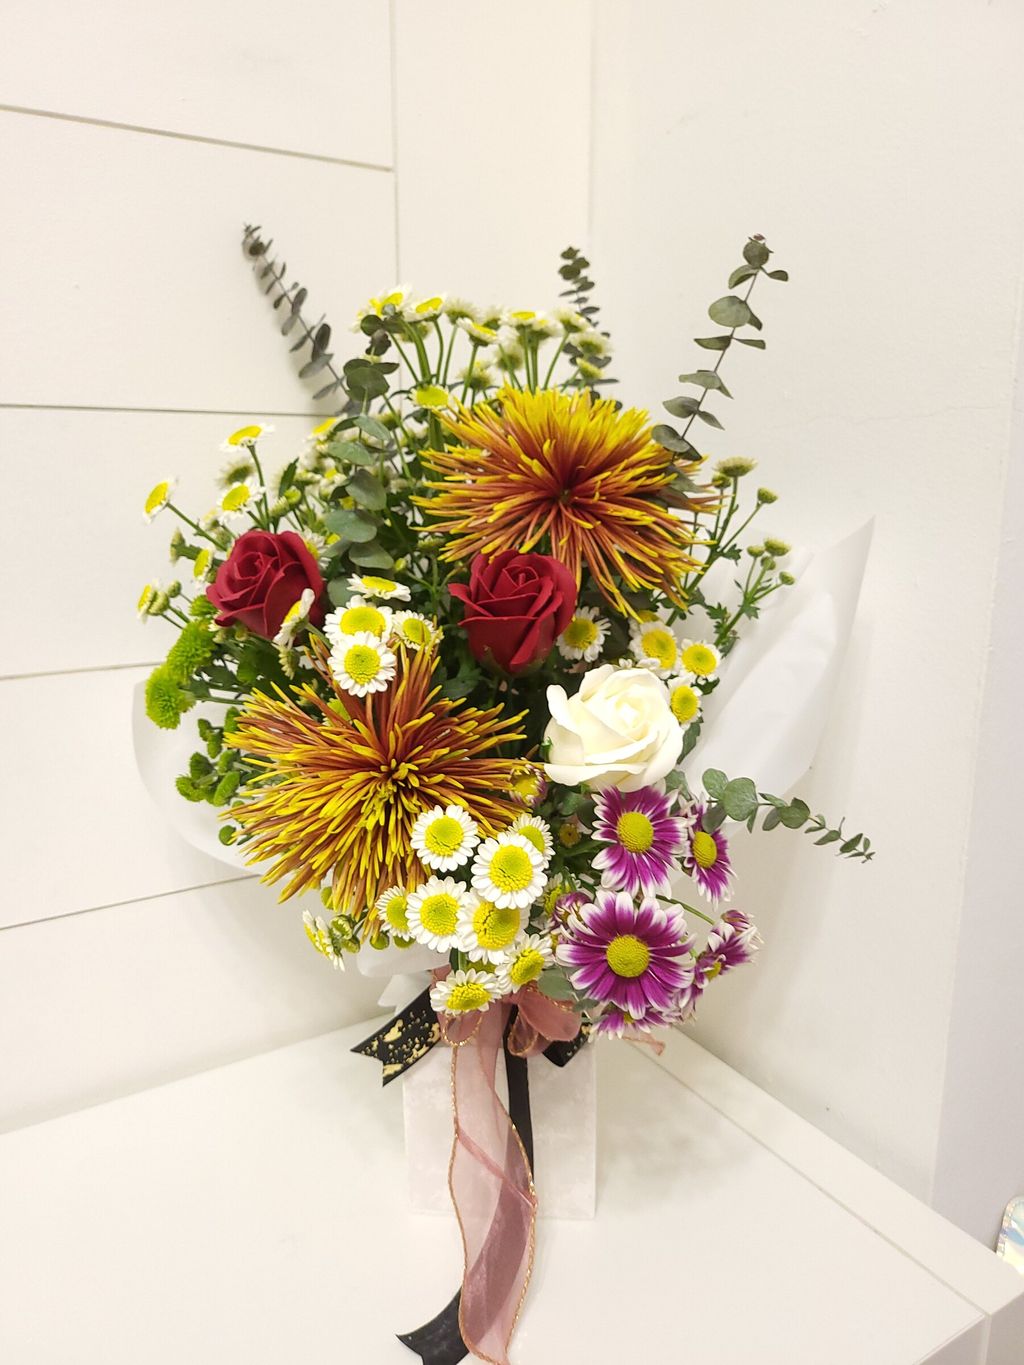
617	731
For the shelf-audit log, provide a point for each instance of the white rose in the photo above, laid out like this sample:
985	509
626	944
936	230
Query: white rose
617	731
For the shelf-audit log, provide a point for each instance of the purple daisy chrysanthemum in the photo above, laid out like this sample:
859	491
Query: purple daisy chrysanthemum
641	836
731	942
705	856
637	958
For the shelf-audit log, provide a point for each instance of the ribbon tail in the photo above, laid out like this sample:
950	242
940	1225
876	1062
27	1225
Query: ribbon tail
439	1341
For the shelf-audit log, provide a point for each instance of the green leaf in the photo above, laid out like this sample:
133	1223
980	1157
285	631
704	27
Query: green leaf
707	379
671	440
683	406
771	819
339	591
367	490
715	783
314	366
741	273
354	525
372	556
752	341
729	311
740	798
720	343
350	452
794	815
755	252
714	818
287	477
376	431
778	274
850	844
710	418
555	985
833	836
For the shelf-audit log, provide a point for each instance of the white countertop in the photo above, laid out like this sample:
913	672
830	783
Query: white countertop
258	1213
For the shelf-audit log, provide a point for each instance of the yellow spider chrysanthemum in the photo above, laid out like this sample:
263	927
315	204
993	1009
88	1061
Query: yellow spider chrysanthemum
345	779
567	473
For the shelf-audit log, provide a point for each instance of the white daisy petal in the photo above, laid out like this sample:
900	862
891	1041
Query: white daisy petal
433	912
463	992
508	870
487	932
362	664
444	838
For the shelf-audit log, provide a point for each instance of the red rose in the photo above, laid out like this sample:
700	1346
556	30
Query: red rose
516	606
265	574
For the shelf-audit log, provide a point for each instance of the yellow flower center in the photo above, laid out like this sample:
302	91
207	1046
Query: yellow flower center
247	434
471	995
362	664
527	967
431	396
494	928
395	914
324	427
705	850
511	869
569	834
526	786
535	835
357	619
685	703
145	597
580	633
660	645
443	836
373	584
438	914
699	659
158	496
628	955
235	498
414	630
201	563
635	831
429	305
523	315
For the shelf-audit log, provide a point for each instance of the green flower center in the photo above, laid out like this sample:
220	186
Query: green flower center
471	995
395	914
527	967
660	645
580	633
362	664
511	869
705	850
495	928
685	704
438	914
628	955
357	619
700	660
635	831
444	836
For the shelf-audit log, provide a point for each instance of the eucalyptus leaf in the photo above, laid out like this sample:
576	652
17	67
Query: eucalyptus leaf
350	452
719	343
339	591
772	819
314	366
715	782
367	490
706	379
741	273
376	431
714	818
555	985
683	406
729	311
778	274
752	341
756	252
709	417
795	814
356	526
740	798
371	556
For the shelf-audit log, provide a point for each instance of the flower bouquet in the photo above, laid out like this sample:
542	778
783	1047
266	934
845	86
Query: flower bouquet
464	645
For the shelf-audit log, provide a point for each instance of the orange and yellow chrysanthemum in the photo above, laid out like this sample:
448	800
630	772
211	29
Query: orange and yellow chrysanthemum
345	779
567	473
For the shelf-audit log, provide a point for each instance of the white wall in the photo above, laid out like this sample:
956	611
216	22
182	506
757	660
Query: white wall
134	340
876	146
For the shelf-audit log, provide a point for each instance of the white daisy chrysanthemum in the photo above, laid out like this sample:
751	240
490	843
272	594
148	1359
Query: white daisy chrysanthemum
294	617
480	375
320	434
584	636
362	664
426	310
393	907
319	935
656	645
526	320
530	955
592	342
571	320
159	497
433	912
201	565
444	837
508	870
698	660
684	703
147	597
456	308
370	585
538	832
237	468
415	631
374	307
357	617
237	504
476	331
244	436
486	932
463	992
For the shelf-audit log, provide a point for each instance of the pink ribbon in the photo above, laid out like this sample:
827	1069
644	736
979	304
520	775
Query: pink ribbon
489	1173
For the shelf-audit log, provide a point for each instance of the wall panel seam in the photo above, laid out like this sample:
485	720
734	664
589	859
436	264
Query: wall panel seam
119	905
193	137
70	672
159	412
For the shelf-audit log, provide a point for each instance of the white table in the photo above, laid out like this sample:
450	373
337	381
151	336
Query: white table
257	1215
